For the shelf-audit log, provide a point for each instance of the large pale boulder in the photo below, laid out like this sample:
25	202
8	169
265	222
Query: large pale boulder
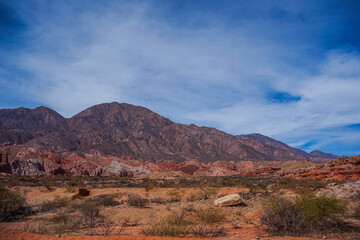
229	200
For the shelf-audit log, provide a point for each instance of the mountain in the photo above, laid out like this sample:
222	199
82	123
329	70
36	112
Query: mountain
127	130
320	154
22	124
273	148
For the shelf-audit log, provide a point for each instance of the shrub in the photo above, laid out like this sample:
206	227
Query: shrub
208	231
175	193
158	200
303	215
175	225
49	187
210	215
57	203
135	200
105	200
203	194
91	214
356	213
64	221
107	227
162	228
11	204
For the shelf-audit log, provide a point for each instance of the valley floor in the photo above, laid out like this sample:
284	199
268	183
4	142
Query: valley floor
57	210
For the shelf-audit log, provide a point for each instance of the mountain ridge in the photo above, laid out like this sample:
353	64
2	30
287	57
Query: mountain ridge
122	129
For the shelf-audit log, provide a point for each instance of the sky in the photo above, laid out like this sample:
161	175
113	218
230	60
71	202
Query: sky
286	69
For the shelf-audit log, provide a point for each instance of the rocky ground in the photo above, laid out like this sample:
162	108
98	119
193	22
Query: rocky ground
238	222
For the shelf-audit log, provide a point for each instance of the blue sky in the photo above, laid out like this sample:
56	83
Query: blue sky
287	69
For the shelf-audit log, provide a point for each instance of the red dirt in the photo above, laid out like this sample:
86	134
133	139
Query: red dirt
20	235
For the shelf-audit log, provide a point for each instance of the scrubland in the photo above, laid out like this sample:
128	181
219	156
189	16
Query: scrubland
271	208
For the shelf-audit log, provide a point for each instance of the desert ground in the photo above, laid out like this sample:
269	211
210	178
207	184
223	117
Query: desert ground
165	208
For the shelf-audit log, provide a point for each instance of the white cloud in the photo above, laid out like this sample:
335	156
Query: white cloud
213	75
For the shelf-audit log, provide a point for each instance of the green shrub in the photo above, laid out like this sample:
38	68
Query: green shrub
11	205
304	215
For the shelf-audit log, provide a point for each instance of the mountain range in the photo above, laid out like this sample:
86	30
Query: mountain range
121	129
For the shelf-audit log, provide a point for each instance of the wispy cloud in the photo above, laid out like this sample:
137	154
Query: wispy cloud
253	75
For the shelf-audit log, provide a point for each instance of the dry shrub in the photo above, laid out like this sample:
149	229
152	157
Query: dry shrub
175	193
158	200
208	231
304	215
57	203
11	205
107	200
356	212
203	194
236	223
108	227
176	225
210	215
91	214
135	200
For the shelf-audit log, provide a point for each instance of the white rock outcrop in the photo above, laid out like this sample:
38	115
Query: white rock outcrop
229	200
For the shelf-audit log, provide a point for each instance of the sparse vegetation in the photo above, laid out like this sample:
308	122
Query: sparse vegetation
57	203
107	200
209	231
176	225
304	215
136	200
210	215
12	205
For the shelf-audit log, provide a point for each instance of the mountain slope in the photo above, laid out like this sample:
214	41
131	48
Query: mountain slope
320	154
124	129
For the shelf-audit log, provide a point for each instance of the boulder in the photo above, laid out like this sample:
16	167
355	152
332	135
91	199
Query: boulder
84	192
229	200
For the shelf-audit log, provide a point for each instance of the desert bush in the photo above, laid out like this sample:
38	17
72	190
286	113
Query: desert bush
304	215
11	205
235	223
135	200
49	187
189	208
106	200
63	221
356	212
175	225
162	228
108	227
210	215
202	194
174	199
69	188
91	214
247	195
178	218
158	200
208	231
301	185
57	203
175	193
